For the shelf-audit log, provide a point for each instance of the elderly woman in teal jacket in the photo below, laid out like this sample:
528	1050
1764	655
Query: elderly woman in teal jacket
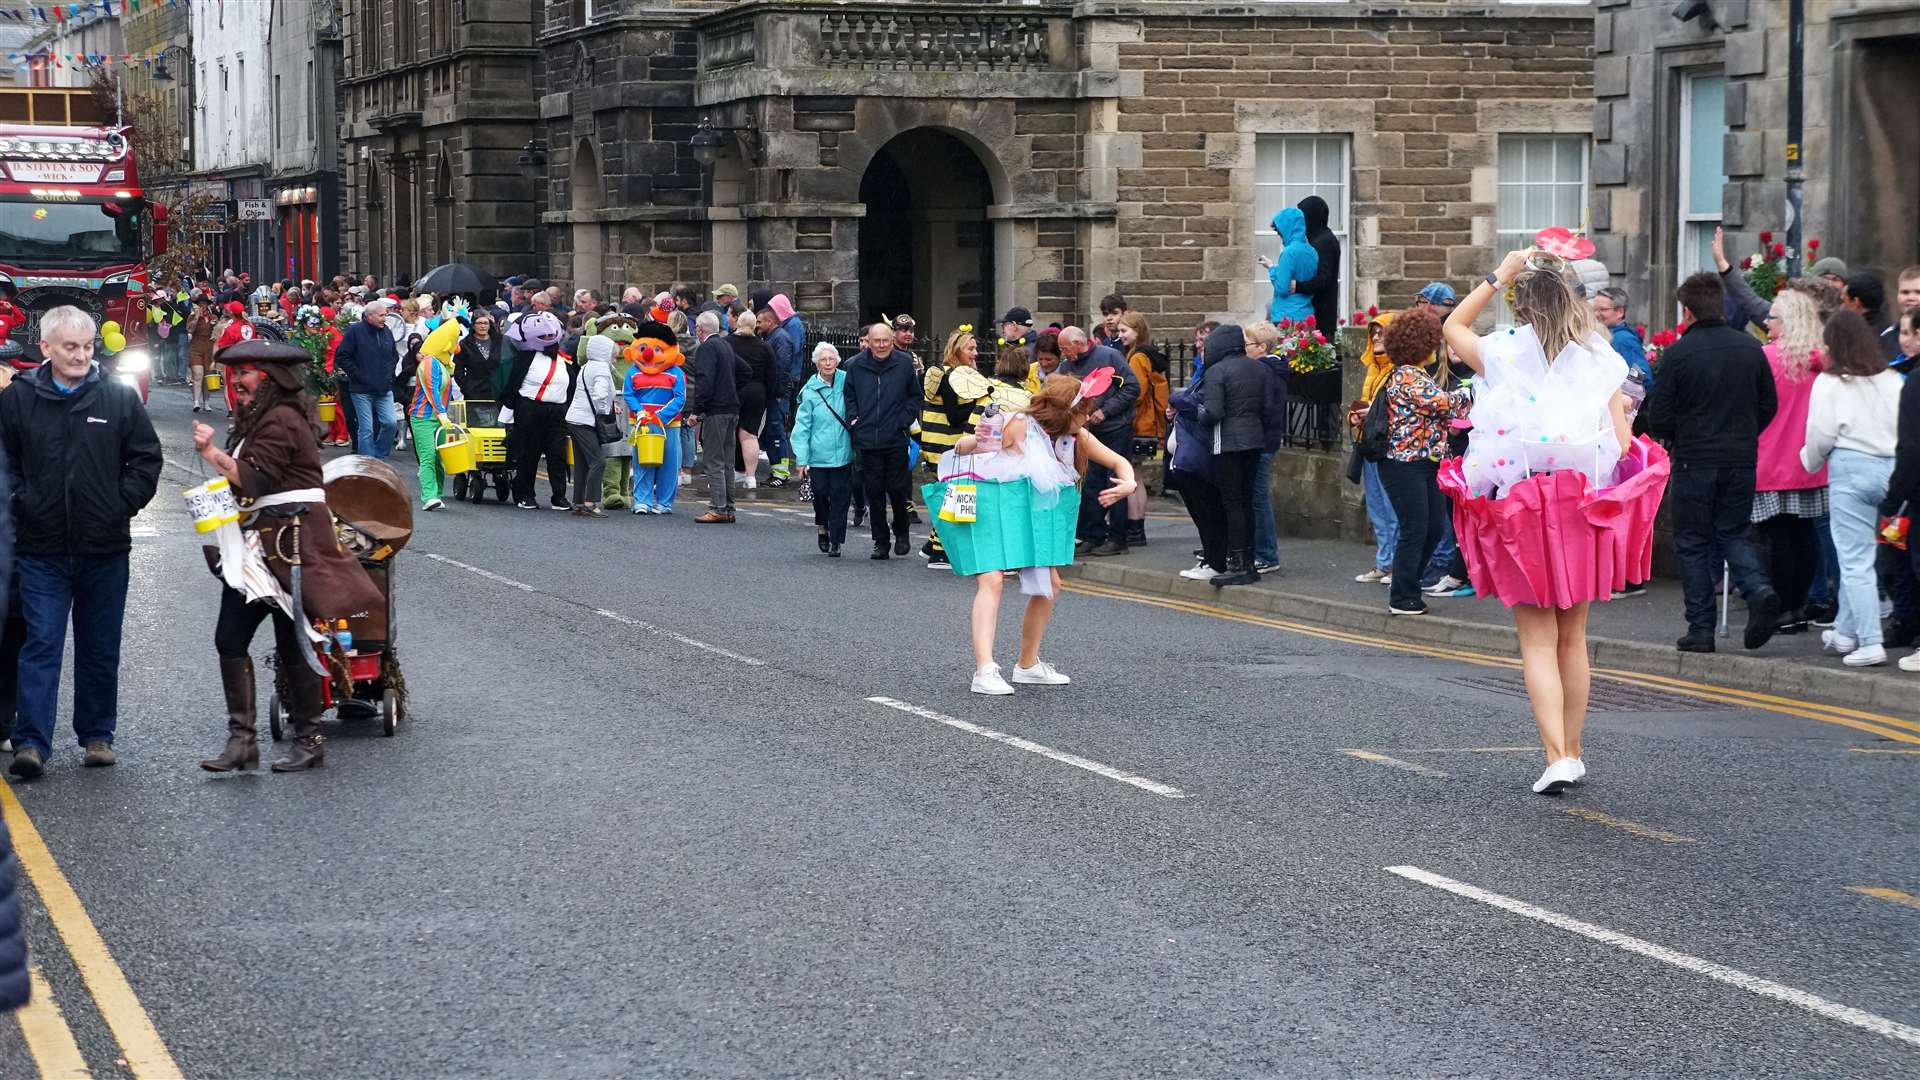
823	447
1298	262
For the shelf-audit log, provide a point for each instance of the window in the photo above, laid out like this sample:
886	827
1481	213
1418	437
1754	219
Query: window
276	113
1543	183
1288	168
440	16
1703	129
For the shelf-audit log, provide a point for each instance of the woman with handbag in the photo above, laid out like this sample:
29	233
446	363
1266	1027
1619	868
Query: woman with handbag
823	447
590	423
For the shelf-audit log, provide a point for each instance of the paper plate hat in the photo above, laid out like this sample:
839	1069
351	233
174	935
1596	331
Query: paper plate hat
1094	384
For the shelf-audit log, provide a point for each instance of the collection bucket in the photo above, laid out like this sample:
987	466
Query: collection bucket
455	448
649	448
211	381
329	409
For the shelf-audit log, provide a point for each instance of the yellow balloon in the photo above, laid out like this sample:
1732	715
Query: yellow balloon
109	327
113	342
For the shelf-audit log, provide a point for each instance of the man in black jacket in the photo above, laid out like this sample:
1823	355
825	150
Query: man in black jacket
883	398
716	405
1103	529
1714	396
1323	288
83	459
1233	392
367	356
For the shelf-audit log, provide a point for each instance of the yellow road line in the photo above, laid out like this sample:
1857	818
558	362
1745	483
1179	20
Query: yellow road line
1890	727
1632	828
146	1055
48	1037
1477	750
1894	895
1396	763
1877	750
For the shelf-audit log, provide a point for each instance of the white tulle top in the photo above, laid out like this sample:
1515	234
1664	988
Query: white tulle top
1530	416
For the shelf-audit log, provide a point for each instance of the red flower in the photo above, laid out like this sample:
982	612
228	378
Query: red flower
1309	324
1779	251
1286	324
1319	337
1343	320
1813	245
1746	263
1766	236
1372	310
1359	317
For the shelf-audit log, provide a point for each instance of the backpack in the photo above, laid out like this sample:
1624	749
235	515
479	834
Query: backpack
1374	442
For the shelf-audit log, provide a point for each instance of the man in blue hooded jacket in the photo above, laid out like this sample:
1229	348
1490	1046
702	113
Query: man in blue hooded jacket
1297	264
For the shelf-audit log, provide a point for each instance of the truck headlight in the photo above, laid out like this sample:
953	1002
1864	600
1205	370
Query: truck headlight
133	361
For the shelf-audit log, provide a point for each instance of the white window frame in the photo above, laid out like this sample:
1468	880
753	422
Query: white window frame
1341	201
1688	246
1506	240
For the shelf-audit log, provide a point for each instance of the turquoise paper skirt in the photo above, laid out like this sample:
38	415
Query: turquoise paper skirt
1011	533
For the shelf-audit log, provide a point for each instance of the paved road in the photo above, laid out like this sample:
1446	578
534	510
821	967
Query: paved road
682	839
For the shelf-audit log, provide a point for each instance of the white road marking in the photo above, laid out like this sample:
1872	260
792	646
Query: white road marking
488	574
1396	763
1753	984
628	620
1165	791
141	531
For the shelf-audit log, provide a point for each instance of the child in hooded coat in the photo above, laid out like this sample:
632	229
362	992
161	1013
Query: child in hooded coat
1296	266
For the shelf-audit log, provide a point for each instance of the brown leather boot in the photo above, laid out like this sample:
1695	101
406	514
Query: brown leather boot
309	749
243	745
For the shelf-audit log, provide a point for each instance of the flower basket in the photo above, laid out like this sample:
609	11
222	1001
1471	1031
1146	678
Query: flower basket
1314	387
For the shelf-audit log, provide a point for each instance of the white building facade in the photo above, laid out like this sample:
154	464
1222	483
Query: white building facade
233	127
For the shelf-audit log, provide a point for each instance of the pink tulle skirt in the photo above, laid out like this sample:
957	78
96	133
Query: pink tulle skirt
1554	541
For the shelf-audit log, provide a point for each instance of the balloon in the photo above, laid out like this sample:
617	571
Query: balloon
113	342
109	327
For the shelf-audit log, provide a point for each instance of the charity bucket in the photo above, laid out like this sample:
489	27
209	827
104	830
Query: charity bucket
649	447
212	505
211	381
329	409
455	448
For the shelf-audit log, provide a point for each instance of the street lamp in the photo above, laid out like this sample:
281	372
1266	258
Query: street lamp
708	142
532	159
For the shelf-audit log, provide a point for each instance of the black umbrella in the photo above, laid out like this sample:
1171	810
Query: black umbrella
458	278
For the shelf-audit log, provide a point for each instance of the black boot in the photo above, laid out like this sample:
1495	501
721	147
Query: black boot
309	749
243	745
1239	570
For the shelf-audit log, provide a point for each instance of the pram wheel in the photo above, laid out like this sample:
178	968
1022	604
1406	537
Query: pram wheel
389	713
501	488
276	717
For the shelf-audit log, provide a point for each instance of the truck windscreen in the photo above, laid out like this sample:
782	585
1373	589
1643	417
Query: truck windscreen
74	233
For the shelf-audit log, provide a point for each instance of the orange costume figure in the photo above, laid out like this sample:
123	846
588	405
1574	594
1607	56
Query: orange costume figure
237	329
656	395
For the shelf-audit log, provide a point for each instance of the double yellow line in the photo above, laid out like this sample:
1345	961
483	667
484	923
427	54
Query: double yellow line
1880	724
48	1037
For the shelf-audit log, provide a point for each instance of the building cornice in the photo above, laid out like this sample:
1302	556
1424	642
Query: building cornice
510	52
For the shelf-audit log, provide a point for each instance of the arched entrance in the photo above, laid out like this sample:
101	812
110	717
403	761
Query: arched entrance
926	247
586	189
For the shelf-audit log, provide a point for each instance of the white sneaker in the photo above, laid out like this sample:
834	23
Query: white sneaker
1579	770
1558	776
1372	576
988	681
1866	656
1836	642
752	483
1910	662
1445	585
1040	674
434	504
1203	572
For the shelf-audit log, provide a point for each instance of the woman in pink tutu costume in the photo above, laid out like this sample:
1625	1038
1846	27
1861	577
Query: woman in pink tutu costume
1547	398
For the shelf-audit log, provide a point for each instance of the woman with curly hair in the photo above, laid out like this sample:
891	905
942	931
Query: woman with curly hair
1419	415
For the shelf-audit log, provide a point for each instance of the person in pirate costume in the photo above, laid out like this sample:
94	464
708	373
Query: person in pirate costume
272	461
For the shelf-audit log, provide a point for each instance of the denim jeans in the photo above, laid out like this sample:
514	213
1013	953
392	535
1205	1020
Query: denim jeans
1712	507
92	590
1386	528
1856	483
1444	552
374	425
1826	566
1266	545
773	433
1421	511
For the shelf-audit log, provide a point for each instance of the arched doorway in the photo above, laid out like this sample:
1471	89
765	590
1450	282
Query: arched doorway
926	247
589	249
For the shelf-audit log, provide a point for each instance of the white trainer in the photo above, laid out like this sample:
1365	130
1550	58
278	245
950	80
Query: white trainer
1836	642
1203	572
1445	585
1557	777
1040	674
988	681
1579	770
1866	656
1372	576
1910	662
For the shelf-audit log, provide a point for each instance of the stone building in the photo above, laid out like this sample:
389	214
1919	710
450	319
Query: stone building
160	33
437	124
304	175
1690	132
232	119
952	158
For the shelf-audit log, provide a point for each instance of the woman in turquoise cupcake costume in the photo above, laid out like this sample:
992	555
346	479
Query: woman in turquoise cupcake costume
1008	502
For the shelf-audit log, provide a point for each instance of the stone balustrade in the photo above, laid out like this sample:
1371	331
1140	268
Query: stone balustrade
934	40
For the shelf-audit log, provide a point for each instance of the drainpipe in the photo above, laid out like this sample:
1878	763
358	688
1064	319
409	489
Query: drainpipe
1796	164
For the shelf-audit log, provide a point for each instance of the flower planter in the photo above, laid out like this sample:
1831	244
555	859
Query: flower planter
1317	387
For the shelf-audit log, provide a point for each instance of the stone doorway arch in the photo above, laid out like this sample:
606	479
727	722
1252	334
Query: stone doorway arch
587	193
926	246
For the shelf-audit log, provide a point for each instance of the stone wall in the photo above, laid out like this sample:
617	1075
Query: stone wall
1424	94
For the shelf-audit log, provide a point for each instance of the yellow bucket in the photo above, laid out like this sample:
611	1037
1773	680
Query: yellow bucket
211	381
649	448
455	448
329	409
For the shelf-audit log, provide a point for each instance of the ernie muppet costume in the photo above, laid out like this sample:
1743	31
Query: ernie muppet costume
656	393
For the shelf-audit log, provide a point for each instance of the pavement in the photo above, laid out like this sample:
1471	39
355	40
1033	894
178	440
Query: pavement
695	801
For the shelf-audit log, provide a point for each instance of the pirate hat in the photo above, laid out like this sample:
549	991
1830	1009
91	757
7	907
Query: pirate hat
282	363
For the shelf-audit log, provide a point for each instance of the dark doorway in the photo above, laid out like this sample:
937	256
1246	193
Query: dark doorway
926	247
1882	215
